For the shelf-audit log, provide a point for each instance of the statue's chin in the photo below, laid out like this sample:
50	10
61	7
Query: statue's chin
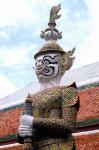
43	78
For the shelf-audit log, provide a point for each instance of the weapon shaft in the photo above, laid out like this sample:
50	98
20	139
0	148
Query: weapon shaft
28	111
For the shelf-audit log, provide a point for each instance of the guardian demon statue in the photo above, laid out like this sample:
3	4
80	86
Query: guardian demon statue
49	116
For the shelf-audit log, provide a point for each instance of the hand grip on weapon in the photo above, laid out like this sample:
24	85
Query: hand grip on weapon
25	131
26	126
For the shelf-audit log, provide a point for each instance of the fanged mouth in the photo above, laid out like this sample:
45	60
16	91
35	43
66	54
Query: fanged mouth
39	71
42	71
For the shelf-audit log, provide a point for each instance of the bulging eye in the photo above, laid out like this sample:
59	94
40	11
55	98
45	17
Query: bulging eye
46	62
35	63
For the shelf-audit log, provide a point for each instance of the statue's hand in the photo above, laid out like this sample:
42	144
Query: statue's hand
26	126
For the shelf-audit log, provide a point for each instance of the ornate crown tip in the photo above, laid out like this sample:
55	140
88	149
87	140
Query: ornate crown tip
51	33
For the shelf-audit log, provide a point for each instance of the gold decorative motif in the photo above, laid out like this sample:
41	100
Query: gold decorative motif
70	96
51	46
54	14
67	60
36	113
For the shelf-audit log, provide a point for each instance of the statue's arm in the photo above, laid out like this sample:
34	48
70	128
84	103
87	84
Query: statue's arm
65	124
69	111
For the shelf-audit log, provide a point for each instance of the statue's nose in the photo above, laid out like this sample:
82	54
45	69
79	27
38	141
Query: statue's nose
39	66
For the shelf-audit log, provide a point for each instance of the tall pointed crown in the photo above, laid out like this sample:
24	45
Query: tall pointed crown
51	34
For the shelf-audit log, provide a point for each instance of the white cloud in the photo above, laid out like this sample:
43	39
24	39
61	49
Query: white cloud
93	7
88	51
24	12
7	87
49	2
13	12
15	55
4	34
91	44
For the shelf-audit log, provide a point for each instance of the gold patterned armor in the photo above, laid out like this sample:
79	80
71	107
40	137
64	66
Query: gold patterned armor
54	112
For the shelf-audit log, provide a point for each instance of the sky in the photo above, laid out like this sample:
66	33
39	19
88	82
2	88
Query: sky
21	22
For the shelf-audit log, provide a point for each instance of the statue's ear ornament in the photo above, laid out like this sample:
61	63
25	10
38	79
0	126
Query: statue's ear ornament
42	34
67	60
60	35
71	52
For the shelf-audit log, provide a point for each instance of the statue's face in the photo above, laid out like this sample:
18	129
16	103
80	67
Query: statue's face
47	66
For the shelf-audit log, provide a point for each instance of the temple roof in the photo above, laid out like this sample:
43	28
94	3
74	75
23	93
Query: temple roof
82	76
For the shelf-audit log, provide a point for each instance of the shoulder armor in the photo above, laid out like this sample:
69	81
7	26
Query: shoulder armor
69	96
